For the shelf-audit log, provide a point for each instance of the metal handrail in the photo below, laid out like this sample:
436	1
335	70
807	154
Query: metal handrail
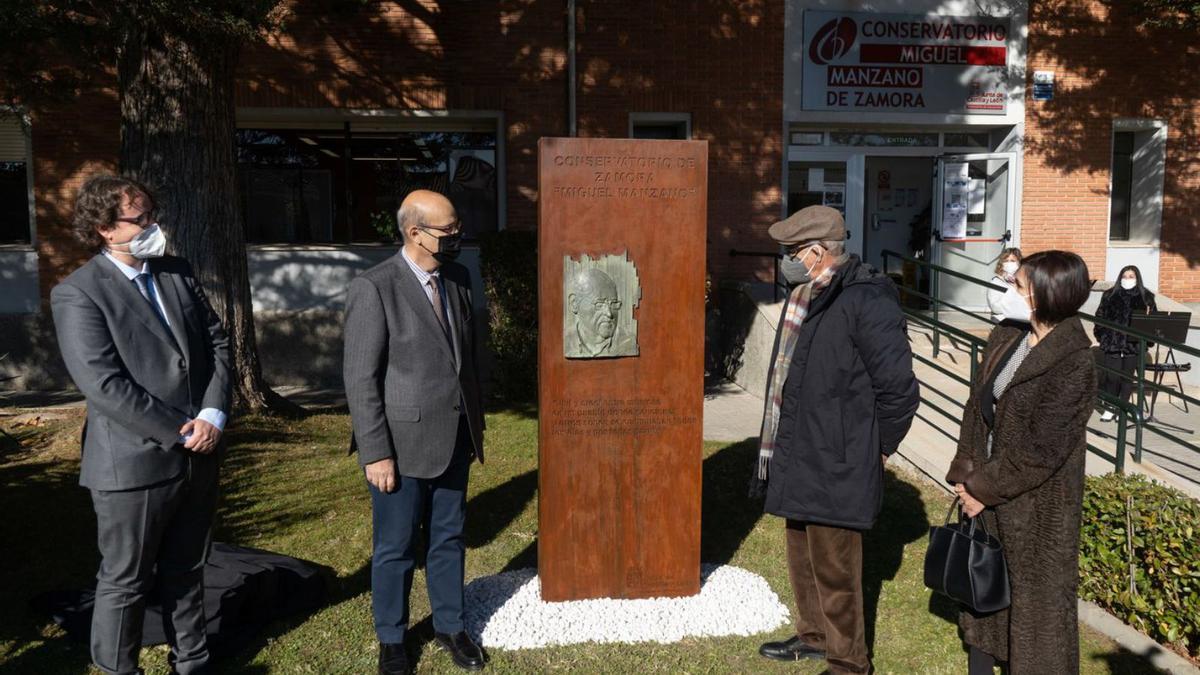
1126	411
1177	346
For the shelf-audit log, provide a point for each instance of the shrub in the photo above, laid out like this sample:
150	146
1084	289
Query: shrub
508	265
1140	557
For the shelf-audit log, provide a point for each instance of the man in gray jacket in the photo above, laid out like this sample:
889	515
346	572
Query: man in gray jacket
413	389
150	356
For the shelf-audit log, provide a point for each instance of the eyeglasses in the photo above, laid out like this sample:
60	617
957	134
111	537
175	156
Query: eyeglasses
143	220
796	252
451	229
614	305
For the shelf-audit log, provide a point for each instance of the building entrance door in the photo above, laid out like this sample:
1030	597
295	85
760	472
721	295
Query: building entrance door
974	204
898	207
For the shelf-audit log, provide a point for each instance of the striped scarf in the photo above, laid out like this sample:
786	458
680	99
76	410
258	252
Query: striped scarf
793	318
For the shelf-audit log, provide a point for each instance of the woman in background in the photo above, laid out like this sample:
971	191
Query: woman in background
1119	351
1006	276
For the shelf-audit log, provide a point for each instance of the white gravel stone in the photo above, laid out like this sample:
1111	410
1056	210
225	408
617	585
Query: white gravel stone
506	611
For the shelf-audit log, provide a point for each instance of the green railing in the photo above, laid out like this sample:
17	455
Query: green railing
1125	411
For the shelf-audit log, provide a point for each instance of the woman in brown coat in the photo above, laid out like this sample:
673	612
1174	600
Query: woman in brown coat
1020	462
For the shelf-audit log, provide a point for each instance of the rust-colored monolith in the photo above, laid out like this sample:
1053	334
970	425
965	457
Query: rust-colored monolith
621	251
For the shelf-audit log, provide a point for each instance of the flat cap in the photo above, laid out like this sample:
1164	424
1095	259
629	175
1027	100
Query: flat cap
811	223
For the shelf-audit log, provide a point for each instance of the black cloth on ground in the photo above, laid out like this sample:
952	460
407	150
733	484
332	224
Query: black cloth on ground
244	589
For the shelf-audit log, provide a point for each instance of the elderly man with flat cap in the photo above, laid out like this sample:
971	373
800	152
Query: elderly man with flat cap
840	397
412	385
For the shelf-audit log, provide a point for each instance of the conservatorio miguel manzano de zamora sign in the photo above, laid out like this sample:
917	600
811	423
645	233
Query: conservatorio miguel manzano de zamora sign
905	63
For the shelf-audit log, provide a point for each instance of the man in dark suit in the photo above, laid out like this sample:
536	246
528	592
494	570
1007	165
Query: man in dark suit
150	356
413	388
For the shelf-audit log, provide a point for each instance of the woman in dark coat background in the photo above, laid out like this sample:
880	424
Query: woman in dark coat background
1119	352
1020	463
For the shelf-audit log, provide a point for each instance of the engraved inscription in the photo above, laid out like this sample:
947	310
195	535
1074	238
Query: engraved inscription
614	417
628	177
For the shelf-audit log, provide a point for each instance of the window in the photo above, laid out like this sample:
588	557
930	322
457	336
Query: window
662	126
343	184
1136	183
974	141
816	183
16	226
1122	186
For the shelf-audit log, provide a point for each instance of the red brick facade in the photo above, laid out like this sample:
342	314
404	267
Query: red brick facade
1108	66
720	62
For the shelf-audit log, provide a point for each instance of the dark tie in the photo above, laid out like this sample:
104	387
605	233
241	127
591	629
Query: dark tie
151	295
438	310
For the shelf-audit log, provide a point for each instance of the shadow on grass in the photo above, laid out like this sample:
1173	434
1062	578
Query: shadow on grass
491	512
523	409
727	514
250	461
48	536
1126	662
902	521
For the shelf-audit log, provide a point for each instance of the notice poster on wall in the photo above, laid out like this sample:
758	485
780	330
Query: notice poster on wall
956	190
978	197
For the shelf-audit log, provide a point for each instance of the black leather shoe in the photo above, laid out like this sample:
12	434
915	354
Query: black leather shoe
463	650
790	650
393	660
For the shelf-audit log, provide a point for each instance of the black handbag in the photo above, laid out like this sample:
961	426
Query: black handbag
967	564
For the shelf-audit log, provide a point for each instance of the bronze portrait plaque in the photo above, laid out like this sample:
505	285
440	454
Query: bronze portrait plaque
598	311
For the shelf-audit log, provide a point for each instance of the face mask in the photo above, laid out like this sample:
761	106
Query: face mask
448	248
1129	284
1011	267
150	243
794	270
1014	306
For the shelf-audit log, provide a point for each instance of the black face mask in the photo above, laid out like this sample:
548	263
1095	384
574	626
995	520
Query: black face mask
448	248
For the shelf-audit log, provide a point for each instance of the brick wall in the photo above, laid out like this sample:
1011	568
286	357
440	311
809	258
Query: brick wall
69	144
719	61
1108	66
508	56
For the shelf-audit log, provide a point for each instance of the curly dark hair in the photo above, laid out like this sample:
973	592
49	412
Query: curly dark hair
98	205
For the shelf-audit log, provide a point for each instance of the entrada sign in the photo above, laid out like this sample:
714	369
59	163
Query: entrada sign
905	63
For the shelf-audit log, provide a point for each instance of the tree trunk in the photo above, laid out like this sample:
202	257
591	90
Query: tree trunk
177	136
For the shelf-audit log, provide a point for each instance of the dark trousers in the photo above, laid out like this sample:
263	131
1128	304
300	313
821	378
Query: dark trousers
154	537
825	565
1120	386
440	505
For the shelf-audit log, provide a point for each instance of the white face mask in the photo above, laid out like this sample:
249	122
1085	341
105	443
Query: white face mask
1129	284
1015	307
1010	268
150	243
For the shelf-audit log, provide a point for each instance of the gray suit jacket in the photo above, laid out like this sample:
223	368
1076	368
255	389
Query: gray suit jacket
406	384
141	382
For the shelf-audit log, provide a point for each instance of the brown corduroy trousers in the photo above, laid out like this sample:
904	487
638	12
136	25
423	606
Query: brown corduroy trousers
825	565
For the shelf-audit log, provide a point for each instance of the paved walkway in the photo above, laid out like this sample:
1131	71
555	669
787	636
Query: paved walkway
731	413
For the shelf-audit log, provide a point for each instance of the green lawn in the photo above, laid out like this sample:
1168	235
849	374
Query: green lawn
289	487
